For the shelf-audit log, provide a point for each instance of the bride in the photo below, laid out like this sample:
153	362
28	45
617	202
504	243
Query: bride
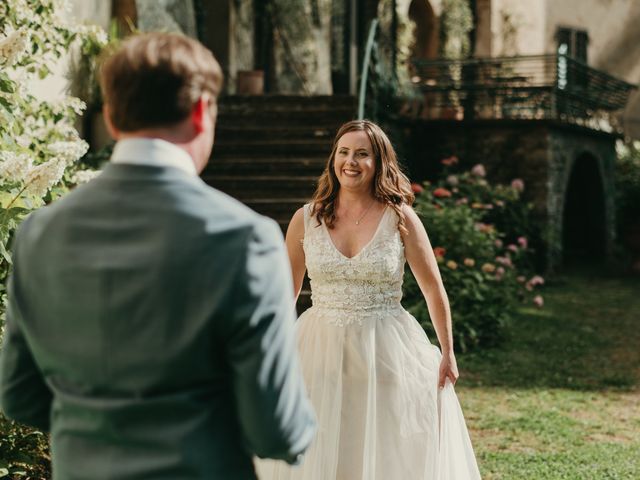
382	392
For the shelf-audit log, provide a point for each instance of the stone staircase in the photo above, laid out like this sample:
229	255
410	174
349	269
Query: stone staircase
270	150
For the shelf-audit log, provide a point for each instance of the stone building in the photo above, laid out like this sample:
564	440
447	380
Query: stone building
540	96
534	89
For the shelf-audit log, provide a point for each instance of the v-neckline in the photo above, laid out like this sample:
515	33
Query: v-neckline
375	234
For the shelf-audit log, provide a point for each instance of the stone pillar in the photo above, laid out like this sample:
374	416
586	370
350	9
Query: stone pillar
167	16
216	34
483	28
302	46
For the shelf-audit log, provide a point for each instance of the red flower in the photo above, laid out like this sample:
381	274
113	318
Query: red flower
441	193
439	251
416	188
453	160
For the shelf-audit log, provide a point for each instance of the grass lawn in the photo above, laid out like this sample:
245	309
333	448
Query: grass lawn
561	398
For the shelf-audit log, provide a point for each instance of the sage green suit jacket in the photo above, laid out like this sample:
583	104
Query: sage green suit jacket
150	329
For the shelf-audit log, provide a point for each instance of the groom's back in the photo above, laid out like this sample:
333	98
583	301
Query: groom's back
150	320
134	277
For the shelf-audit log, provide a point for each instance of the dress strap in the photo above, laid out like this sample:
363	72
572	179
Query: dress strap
307	216
310	222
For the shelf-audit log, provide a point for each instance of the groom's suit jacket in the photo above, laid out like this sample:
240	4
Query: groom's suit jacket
151	330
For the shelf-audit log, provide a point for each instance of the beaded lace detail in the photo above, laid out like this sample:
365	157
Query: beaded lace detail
353	290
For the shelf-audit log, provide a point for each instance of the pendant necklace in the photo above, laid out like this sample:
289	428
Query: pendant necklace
365	212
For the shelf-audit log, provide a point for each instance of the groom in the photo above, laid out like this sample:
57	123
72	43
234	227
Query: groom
150	321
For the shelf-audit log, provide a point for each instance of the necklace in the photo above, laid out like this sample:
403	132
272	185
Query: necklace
365	212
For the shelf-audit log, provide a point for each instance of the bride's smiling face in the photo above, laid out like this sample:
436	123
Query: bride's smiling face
354	163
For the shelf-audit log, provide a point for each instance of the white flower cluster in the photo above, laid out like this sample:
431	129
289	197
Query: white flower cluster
95	33
84	176
69	151
44	176
60	107
14	166
13	46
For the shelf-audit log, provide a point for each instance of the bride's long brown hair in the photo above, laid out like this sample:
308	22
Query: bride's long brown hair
390	186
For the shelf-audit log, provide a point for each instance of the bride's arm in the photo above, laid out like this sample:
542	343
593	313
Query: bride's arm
295	236
424	267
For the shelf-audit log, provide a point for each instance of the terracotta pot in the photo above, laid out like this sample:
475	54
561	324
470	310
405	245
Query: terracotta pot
250	82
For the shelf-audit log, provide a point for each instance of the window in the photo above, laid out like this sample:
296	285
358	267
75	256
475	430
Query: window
573	43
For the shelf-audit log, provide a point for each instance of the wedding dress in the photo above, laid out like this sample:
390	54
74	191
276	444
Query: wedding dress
371	373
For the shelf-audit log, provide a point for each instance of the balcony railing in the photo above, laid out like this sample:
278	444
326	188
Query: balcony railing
527	87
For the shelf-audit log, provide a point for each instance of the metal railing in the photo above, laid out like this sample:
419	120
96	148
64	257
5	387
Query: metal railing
378	82
366	67
524	87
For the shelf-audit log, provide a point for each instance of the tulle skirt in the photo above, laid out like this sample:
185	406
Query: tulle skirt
373	381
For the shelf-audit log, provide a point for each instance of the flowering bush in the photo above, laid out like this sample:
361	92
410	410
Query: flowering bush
39	153
484	260
39	146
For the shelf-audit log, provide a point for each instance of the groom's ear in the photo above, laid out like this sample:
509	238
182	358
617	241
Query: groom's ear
111	129
199	113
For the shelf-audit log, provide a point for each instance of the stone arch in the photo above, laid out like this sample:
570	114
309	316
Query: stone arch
403	6
584	215
426	32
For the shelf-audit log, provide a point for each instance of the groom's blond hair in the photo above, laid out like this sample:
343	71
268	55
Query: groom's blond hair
154	80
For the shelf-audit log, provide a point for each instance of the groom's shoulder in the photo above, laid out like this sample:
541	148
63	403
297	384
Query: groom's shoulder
226	210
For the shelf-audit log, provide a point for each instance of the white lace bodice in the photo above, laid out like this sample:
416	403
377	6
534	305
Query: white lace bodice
347	290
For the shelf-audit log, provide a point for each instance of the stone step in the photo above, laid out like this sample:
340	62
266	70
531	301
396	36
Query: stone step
267	186
278	165
277	207
262	147
227	131
333	120
286	102
304	301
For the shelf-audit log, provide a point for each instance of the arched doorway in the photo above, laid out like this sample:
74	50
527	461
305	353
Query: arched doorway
426	31
584	221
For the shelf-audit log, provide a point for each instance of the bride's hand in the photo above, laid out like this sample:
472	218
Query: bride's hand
448	368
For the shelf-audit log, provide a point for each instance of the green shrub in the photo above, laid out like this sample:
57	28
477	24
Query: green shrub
476	231
24	452
628	187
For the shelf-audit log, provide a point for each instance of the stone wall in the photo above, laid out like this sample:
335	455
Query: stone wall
540	153
566	147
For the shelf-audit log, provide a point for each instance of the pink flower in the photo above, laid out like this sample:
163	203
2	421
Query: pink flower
498	243
517	184
538	301
416	188
441	193
452	160
469	262
536	280
521	279
513	248
488	206
506	261
452	180
484	227
522	241
499	203
462	201
478	170
499	273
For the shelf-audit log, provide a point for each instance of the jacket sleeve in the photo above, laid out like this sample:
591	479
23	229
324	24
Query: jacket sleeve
24	396
276	417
